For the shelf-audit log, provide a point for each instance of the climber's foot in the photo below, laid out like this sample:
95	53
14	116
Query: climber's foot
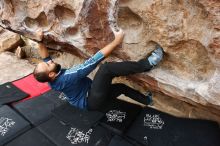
149	97
156	56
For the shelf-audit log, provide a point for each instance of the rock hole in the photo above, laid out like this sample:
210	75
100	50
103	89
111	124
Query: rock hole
40	21
6	23
189	60
132	24
71	31
65	15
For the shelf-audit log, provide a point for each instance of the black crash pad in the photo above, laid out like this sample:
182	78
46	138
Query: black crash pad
38	109
10	93
195	133
58	98
11	124
32	137
119	115
66	135
152	128
156	128
119	141
80	118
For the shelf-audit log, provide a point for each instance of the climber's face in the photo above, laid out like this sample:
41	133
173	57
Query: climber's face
49	69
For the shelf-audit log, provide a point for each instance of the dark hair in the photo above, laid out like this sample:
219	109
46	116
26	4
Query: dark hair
41	76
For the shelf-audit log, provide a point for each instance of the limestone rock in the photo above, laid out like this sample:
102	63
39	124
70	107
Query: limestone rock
12	68
20	53
189	31
8	40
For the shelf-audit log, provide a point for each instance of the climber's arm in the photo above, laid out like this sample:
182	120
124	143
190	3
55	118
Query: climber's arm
89	65
106	51
43	51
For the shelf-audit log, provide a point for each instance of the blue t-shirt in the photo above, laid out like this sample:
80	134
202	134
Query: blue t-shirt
74	82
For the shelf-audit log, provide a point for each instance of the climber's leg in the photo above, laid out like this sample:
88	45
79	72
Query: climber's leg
118	89
101	85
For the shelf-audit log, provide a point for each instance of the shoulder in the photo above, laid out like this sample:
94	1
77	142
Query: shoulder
59	82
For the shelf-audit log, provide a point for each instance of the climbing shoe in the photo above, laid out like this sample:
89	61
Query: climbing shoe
149	97
156	56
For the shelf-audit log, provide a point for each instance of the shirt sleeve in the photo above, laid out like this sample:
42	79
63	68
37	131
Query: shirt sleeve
82	70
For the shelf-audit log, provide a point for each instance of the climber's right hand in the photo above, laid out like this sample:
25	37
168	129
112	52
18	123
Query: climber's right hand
39	35
119	35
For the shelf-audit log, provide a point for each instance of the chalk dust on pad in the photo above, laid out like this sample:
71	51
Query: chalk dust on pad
156	128
68	135
31	86
119	115
39	109
32	137
11	124
10	93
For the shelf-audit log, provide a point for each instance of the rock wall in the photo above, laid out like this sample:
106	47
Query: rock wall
189	31
12	68
9	40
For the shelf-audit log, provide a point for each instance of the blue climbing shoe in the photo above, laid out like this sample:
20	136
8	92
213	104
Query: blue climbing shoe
149	97
156	56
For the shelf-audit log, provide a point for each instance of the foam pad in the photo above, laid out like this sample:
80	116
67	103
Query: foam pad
119	115
11	124
66	135
195	132
58	98
82	119
31	86
152	128
118	141
38	109
156	128
10	93
31	138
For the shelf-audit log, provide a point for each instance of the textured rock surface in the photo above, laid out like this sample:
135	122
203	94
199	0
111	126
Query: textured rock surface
12	68
8	40
189	31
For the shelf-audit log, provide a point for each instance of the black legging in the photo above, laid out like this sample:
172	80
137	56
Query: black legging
102	89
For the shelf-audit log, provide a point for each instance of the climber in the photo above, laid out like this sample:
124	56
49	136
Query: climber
84	93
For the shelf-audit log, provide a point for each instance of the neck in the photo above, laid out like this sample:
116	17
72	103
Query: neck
55	76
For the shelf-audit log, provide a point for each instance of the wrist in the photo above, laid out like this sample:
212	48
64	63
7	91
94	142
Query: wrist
116	42
47	59
40	44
